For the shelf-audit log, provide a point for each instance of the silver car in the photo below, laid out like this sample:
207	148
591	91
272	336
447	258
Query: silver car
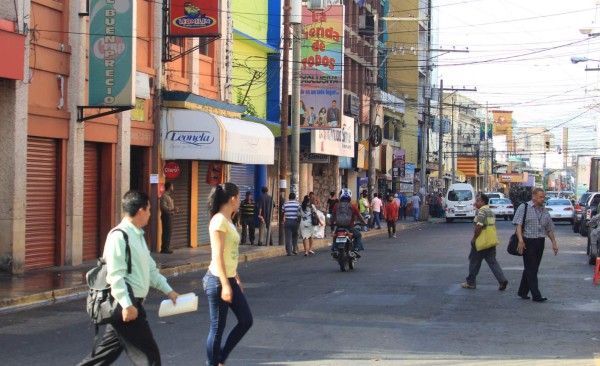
560	209
502	207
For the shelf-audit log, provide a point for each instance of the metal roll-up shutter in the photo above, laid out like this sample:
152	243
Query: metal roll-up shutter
180	236
91	201
41	212
243	177
204	190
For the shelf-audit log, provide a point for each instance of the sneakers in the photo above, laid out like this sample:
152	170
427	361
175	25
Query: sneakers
467	285
394	235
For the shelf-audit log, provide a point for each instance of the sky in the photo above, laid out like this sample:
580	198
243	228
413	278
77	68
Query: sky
519	60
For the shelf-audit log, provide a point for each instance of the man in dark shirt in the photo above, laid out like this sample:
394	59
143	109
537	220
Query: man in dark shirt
247	218
265	209
333	115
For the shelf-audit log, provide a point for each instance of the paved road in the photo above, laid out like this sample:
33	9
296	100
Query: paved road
403	305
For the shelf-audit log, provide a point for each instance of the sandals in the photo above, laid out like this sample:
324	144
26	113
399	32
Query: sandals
466	285
310	252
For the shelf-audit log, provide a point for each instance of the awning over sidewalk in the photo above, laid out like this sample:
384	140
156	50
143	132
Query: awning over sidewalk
197	135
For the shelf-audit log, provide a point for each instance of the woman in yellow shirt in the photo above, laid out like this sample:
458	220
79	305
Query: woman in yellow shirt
222	283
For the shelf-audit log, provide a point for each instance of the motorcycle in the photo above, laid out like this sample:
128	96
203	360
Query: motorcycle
344	253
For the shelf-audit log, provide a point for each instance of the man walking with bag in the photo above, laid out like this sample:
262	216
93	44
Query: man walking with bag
483	245
538	224
131	332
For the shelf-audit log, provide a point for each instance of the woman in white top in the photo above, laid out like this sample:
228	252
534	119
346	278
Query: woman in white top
307	229
222	283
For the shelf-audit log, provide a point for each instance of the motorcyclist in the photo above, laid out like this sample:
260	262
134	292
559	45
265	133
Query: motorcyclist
346	196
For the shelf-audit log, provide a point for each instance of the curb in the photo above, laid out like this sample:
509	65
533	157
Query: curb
67	294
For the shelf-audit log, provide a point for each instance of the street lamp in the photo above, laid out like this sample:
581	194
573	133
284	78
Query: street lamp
578	59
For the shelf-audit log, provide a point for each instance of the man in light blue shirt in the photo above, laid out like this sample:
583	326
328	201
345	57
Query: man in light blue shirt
131	333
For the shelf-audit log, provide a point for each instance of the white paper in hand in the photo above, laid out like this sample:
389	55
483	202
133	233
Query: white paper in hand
185	304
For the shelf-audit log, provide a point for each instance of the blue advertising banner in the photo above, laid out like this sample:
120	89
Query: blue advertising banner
112	50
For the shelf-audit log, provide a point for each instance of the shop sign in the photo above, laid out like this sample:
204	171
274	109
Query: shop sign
335	141
112	53
194	18
510	178
171	170
308	157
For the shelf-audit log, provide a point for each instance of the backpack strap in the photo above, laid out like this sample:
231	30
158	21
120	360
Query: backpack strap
127	249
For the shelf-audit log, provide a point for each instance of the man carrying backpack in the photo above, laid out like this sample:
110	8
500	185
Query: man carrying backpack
131	332
344	215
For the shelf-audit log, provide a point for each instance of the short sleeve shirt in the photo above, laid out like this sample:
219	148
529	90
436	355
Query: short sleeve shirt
232	245
537	222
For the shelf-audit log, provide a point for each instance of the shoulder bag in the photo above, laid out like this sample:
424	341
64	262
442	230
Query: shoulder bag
488	237
314	218
513	242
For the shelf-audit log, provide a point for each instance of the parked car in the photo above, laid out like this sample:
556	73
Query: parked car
588	211
579	205
550	195
502	207
592	242
495	195
566	194
560	209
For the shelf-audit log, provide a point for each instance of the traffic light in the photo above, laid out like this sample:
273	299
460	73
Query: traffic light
547	145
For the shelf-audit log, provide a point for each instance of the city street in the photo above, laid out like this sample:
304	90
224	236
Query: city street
402	305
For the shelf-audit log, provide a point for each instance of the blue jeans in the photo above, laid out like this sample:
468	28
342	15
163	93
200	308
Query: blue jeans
358	245
216	353
377	216
416	213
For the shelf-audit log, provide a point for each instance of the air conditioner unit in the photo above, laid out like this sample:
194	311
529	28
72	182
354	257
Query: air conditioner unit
316	4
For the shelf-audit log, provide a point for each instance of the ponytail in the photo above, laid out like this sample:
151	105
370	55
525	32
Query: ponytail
220	195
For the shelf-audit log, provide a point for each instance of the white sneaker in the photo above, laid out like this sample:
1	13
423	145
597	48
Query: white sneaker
394	236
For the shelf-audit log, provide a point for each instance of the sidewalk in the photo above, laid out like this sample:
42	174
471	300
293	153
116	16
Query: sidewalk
47	286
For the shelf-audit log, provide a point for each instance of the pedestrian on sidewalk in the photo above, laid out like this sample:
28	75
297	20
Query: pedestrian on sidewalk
483	245
415	202
222	284
247	208
265	211
306	227
403	206
364	208
331	202
538	224
398	202
167	209
391	216
291	223
131	332
376	206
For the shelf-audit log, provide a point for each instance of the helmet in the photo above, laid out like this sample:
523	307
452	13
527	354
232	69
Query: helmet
345	193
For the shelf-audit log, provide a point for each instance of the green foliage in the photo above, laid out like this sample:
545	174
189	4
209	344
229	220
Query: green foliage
248	103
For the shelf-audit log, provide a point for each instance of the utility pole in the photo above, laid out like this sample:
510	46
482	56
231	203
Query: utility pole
426	115
452	142
296	20
373	116
283	151
440	133
485	155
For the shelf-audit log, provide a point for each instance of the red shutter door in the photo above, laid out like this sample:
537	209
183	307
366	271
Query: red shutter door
91	201
42	187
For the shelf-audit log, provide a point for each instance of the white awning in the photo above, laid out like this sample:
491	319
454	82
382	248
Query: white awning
196	135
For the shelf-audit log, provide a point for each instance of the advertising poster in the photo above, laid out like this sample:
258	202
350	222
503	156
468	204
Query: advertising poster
321	74
194	18
334	141
112	54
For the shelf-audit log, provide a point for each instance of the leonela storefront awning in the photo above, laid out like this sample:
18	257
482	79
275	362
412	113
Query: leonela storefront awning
197	135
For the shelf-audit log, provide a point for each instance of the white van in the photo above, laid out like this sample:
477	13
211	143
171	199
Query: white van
460	202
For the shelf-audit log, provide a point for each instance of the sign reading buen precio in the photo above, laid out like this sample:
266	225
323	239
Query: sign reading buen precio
171	170
112	53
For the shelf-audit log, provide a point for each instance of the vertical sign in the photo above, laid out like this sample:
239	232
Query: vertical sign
112	53
194	18
321	74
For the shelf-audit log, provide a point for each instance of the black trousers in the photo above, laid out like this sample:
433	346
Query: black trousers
167	225
532	257
134	337
248	229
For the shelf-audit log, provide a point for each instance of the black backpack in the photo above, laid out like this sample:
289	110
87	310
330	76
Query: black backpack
343	214
101	305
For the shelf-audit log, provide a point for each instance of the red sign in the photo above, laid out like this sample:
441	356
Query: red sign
171	170
193	18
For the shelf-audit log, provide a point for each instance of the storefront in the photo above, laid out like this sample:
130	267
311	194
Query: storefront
200	143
